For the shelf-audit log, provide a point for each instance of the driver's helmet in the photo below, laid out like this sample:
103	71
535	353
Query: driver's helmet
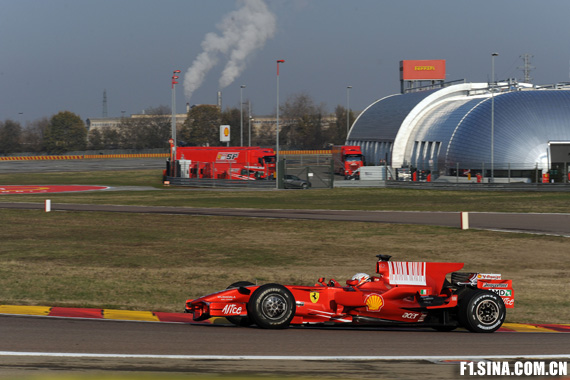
361	277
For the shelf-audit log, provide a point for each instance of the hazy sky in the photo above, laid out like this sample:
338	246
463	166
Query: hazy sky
62	54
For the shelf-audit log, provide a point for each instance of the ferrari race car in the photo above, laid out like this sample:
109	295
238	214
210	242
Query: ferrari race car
401	294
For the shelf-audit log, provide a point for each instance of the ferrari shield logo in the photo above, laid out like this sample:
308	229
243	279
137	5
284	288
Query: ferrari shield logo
314	296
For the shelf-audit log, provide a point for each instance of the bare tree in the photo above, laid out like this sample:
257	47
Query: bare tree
202	126
302	123
146	132
33	135
10	136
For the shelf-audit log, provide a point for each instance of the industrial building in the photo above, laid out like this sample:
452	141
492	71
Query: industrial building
499	130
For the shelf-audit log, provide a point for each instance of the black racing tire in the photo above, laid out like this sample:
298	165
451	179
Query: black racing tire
240	321
481	311
272	306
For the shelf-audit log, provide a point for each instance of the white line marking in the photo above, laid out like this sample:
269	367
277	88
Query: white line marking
281	357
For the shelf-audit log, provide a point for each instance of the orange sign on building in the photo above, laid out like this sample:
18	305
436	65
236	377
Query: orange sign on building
422	69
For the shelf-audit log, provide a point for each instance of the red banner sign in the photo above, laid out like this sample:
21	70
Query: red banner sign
422	70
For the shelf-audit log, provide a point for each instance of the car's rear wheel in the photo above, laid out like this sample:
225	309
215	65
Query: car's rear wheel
240	321
481	311
272	306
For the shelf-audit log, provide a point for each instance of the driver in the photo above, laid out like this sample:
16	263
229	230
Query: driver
361	277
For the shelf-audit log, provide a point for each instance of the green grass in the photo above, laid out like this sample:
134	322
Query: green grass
339	198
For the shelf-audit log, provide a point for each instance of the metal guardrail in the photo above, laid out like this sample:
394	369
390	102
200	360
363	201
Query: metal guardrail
554	187
221	183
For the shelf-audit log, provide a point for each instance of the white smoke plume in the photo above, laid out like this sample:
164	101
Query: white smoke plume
242	32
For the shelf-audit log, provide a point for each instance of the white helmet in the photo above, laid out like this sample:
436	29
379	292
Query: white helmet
361	277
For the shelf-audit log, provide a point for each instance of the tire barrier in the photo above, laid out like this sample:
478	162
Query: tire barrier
85	156
324	151
141	155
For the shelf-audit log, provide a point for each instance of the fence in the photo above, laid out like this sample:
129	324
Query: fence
484	172
221	183
314	168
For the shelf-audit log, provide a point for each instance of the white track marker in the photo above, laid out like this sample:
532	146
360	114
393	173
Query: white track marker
281	357
464	220
48	205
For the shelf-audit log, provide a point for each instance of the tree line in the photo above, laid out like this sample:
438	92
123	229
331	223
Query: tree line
303	125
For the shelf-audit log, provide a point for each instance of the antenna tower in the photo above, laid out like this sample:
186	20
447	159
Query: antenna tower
105	103
527	67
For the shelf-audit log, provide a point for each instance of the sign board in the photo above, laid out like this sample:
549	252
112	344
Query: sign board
422	69
224	133
372	173
559	151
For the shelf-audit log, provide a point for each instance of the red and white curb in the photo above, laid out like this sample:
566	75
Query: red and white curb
156	316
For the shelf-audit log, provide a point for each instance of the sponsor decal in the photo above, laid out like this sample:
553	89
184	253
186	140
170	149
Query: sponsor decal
226	297
407	273
509	301
232	309
374	302
227	156
502	292
314	296
488	276
410	315
490	285
423	292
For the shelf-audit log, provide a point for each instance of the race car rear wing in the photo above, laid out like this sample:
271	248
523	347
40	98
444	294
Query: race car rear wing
487	281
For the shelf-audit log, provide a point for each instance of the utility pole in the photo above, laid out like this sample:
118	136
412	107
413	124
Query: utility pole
527	67
105	103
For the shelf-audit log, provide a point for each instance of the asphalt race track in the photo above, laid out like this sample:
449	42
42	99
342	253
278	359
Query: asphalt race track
44	166
555	224
32	343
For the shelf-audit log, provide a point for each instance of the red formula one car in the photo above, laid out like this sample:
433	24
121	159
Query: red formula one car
401	294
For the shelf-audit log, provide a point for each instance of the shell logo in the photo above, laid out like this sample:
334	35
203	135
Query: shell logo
374	302
226	131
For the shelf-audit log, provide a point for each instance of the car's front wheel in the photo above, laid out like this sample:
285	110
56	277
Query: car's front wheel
481	311
271	306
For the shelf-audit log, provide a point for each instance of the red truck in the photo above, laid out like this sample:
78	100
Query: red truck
241	163
347	159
